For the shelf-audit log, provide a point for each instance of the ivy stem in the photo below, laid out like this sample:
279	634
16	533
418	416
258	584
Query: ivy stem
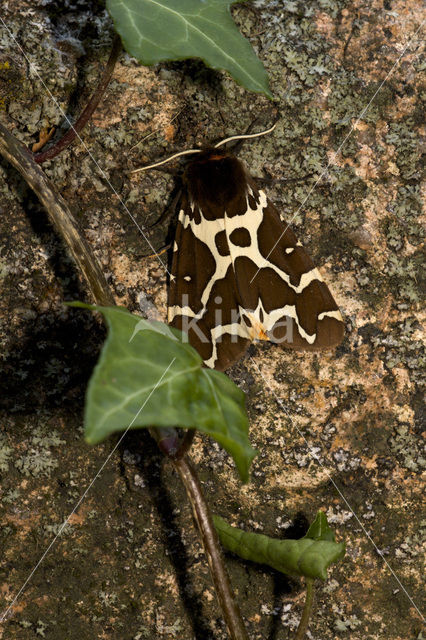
87	113
168	441
185	444
59	215
228	604
307	610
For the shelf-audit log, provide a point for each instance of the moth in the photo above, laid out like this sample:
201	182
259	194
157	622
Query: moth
238	272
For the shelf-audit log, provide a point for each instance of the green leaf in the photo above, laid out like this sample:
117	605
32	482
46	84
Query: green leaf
305	557
320	529
157	30
148	376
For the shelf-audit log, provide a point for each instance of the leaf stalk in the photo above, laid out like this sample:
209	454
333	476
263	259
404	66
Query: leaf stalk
228	604
307	610
87	113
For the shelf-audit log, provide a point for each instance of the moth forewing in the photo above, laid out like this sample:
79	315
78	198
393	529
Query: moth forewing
238	273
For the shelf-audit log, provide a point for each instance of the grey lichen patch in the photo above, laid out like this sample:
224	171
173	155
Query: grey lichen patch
42	63
406	446
5	454
12	77
11	496
58	529
38	459
404	136
11	188
412	548
403	346
346	622
38	628
405	219
41	628
406	277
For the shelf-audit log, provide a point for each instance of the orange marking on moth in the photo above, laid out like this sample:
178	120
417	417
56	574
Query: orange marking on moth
217	156
257	330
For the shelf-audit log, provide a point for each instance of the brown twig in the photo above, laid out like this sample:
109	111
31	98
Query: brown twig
211	545
307	609
87	113
185	444
59	214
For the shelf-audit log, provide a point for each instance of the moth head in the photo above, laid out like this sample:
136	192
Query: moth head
215	175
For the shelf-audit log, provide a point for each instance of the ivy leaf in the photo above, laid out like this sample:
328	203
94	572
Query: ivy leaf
305	557
157	30
320	529
148	376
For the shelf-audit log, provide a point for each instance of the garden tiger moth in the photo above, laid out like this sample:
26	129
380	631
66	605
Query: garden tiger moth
238	273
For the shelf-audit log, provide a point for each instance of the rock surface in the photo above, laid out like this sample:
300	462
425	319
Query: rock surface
338	431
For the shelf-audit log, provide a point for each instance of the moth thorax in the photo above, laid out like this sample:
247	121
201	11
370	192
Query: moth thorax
215	176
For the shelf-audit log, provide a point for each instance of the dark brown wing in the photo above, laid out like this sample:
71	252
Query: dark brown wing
202	292
238	274
277	281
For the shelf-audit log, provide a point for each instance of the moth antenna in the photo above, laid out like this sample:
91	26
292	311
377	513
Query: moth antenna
189	151
244	136
157	164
